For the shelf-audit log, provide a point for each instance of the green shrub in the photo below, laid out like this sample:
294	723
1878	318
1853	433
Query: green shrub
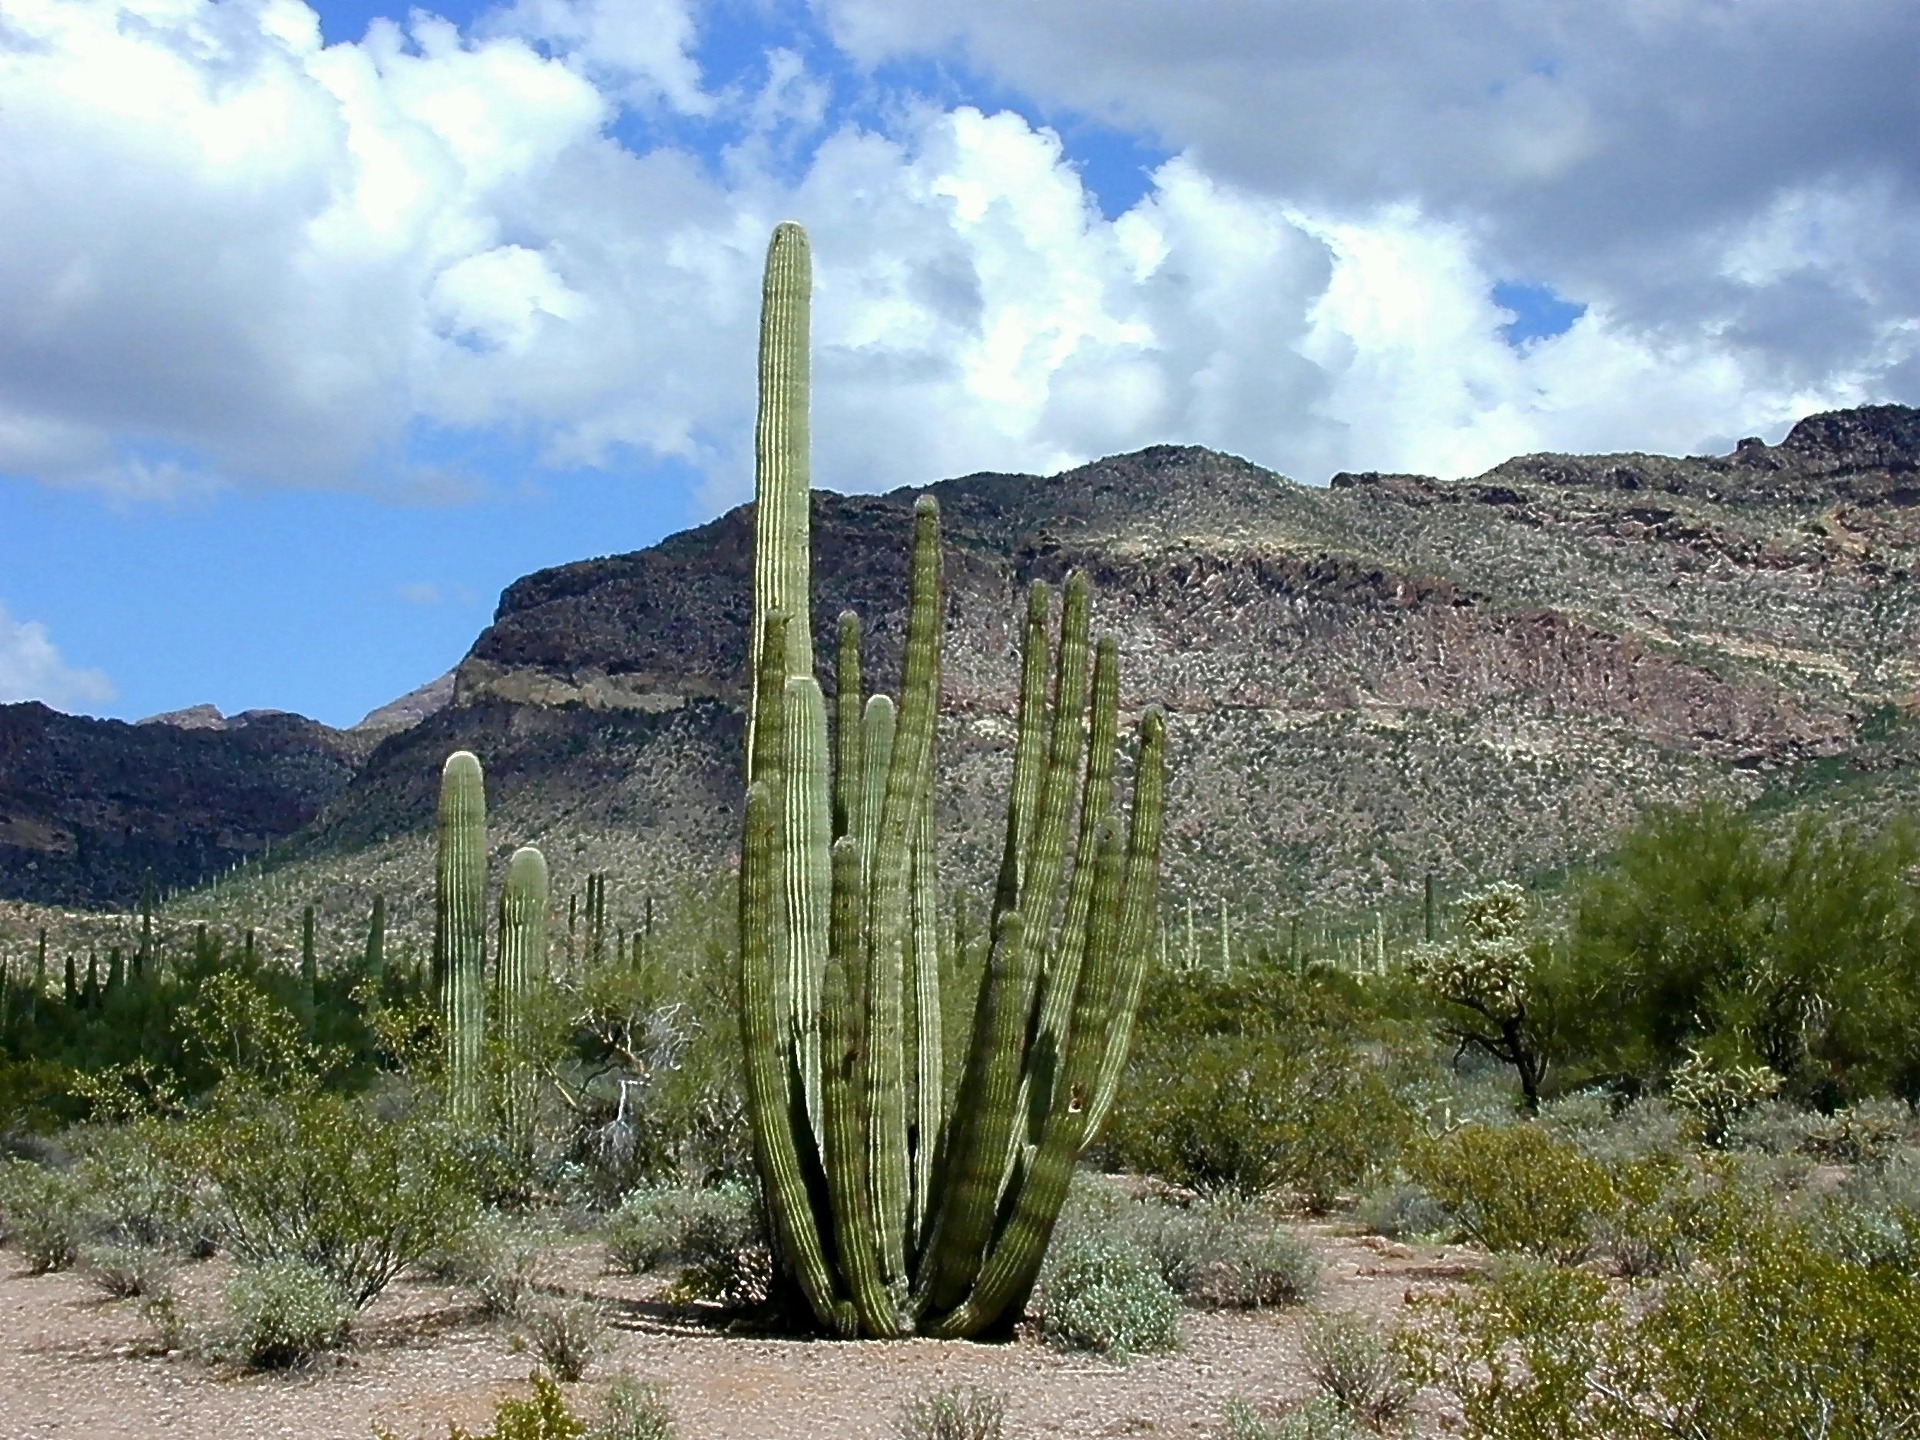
1782	1338
325	1181
1361	1373
45	1214
1098	1293
1221	1253
125	1272
1516	1188
1321	1418
1240	1115
1868	1134
282	1313
564	1332
953	1412
1402	1209
138	1193
542	1416
633	1409
713	1233
498	1258
1256	1081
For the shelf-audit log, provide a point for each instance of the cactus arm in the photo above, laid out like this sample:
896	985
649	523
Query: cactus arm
877	730
984	1112
908	771
1137	908
856	1226
1047	854
849	759
807	847
460	929
1060	981
1029	749
771	1107
782	499
1014	1261
924	1034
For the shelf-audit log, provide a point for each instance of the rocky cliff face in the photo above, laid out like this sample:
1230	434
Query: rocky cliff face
1366	681
88	808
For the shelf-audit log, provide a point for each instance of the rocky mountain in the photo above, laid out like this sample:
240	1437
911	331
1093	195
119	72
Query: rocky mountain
88	808
1389	675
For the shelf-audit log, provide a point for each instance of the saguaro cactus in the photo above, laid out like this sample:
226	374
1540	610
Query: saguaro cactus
460	931
890	1213
523	959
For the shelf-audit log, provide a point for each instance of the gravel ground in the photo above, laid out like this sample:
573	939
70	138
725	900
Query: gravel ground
73	1364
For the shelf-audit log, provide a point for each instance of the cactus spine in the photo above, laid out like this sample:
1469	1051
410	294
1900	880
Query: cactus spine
889	1214
460	931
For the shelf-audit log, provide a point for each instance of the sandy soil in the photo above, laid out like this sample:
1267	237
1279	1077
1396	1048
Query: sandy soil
74	1364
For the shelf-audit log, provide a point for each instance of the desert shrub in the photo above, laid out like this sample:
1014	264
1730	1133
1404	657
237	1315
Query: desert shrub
164	1315
1780	1339
1868	1133
1516	1188
1099	1293
541	1416
1241	1115
953	1412
1360	1372
1256	1081
322	1180
281	1313
498	1258
713	1233
633	1409
45	1214
1222	1253
125	1272
1648	1229
1874	1220
138	1193
1321	1418
1794	951
1402	1208
564	1332
1248	1262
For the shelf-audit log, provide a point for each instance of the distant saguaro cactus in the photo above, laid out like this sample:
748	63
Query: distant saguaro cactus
523	959
891	1213
460	931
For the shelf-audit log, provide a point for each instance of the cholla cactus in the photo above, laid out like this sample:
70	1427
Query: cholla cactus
1489	967
1718	1093
1488	983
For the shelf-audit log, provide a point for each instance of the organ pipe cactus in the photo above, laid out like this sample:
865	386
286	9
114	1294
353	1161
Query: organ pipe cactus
460	931
892	1213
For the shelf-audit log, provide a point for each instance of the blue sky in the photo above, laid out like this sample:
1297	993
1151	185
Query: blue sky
320	326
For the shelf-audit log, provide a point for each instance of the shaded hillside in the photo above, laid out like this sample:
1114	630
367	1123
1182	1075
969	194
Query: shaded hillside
89	807
1365	681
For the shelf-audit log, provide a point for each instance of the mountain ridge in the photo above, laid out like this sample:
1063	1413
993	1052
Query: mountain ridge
1367	680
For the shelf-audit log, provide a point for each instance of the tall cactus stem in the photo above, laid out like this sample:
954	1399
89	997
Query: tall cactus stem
460	931
782	522
808	878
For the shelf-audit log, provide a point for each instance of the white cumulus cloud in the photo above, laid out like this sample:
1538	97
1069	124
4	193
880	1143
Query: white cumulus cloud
31	669
232	255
